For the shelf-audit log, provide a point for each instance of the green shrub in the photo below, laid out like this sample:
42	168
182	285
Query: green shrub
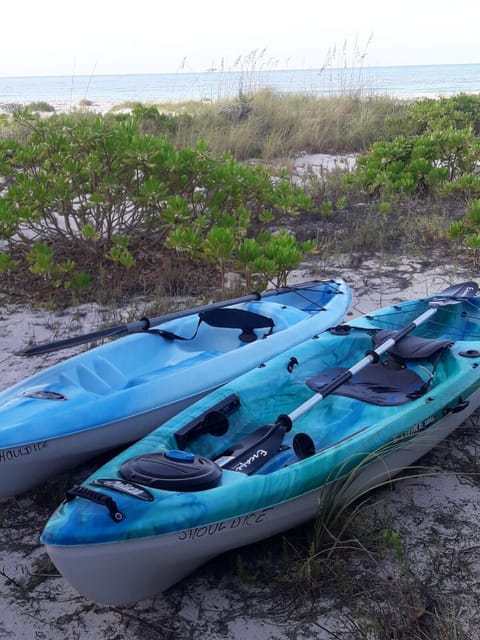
468	229
101	189
435	114
417	165
41	106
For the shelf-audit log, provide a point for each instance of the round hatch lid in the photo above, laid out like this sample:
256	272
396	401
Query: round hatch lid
172	470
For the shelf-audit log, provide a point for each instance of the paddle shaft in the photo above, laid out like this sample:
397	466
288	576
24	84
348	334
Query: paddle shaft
371	356
145	323
133	327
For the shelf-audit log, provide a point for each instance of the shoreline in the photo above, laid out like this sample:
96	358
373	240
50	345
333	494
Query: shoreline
106	90
102	107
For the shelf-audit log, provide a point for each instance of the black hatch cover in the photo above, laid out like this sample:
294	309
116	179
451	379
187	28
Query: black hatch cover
172	470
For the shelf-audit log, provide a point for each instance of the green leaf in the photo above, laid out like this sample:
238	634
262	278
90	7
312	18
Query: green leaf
7	263
80	281
473	241
219	245
457	229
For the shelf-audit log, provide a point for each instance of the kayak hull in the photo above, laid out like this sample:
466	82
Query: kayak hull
156	563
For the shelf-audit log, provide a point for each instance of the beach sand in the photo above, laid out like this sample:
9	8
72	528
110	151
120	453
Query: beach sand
428	570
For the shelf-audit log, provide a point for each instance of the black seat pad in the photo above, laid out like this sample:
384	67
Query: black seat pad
375	384
411	347
227	318
247	321
235	319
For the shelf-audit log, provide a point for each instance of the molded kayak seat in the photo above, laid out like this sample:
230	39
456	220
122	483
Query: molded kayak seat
191	360
227	318
376	384
412	347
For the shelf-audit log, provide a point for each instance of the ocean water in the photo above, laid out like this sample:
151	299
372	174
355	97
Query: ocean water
107	90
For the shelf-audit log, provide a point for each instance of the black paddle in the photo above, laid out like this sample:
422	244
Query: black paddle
451	295
252	452
144	324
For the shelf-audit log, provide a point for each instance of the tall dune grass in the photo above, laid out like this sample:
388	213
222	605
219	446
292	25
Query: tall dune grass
274	125
347	117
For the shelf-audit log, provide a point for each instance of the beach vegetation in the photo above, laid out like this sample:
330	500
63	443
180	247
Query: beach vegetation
7	264
455	112
466	186
268	126
468	230
11	107
434	158
417	165
3	120
41	107
205	183
151	121
90	198
384	208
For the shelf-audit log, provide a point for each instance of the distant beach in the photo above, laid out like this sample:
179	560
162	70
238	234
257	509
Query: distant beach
104	91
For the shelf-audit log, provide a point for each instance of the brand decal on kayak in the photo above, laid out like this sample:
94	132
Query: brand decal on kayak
420	426
251	519
122	486
18	452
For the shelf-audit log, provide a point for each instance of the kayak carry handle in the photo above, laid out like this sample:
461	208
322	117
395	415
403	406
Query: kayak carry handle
79	491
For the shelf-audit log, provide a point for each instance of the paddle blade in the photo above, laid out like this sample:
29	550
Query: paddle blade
252	452
461	290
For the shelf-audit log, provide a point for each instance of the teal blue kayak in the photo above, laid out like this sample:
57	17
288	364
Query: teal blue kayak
352	407
116	393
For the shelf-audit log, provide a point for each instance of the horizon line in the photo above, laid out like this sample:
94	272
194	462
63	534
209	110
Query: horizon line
212	71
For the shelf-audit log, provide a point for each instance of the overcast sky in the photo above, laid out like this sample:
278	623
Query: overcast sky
60	37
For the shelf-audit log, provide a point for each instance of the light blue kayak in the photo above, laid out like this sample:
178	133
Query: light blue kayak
116	393
351	407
